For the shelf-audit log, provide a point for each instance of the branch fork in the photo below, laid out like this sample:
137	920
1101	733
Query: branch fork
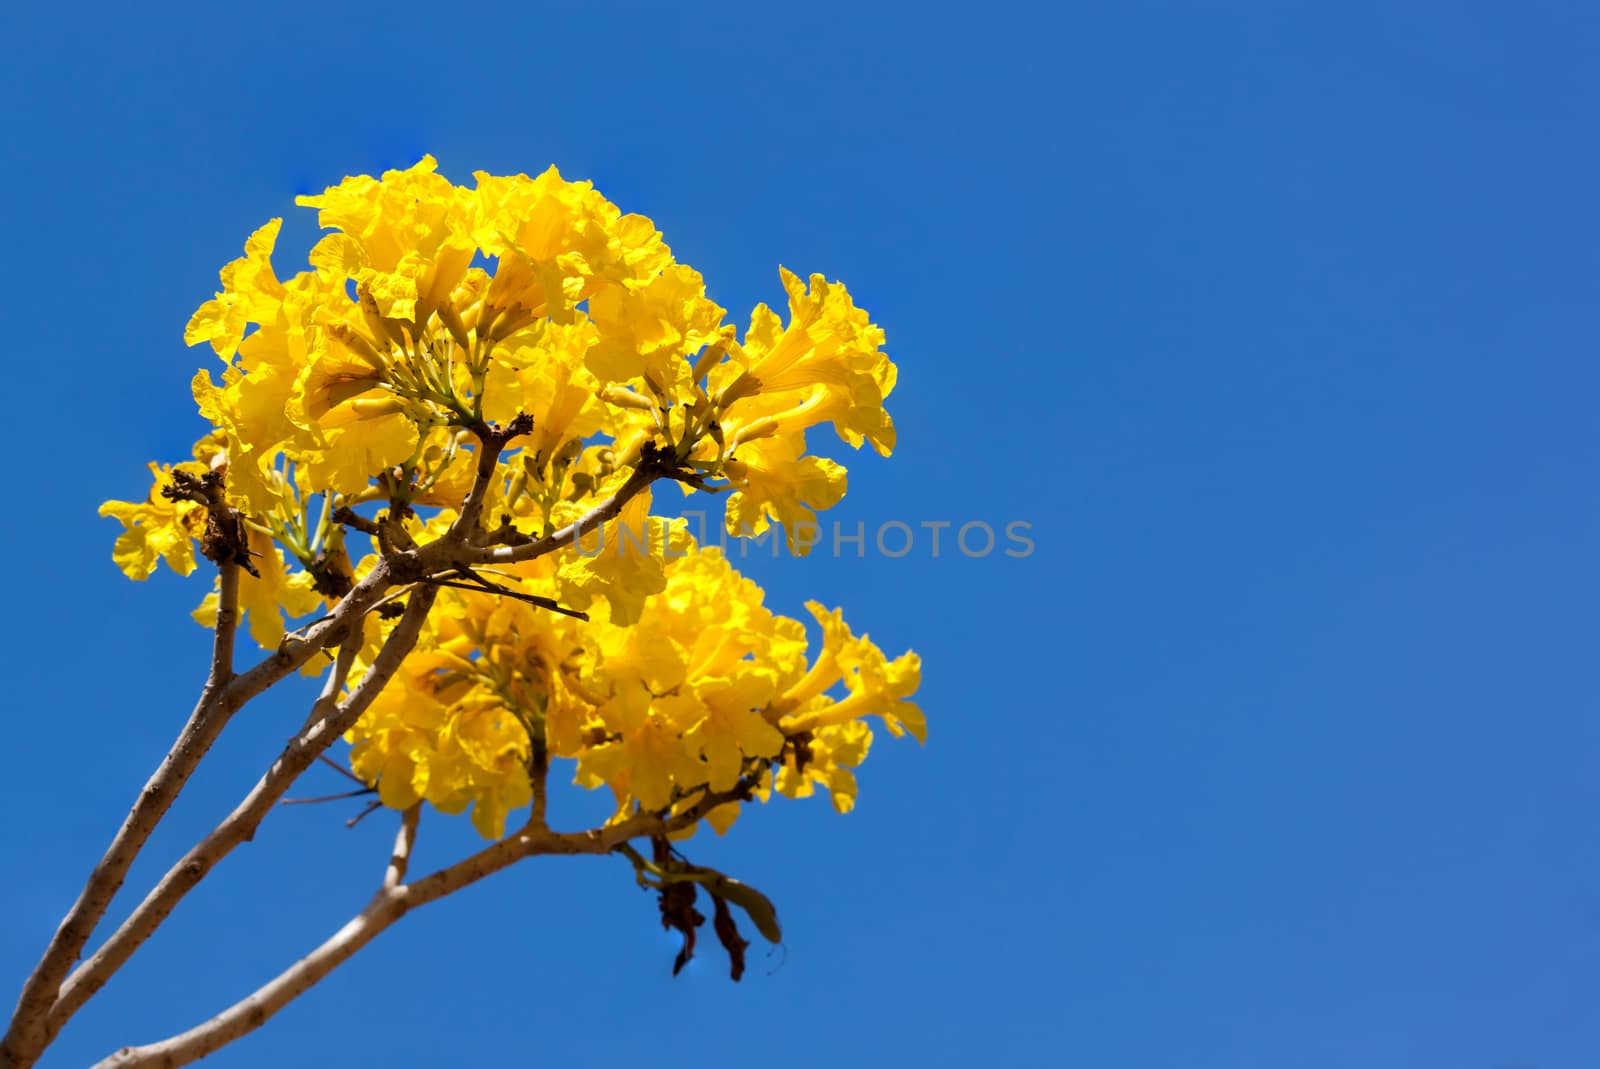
56	990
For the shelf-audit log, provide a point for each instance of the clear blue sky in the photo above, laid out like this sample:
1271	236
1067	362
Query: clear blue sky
1276	321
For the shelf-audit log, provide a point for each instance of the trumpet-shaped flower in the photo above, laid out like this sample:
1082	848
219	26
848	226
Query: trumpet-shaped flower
523	345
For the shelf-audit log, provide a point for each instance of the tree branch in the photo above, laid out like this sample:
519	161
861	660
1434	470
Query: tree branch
240	825
647	472
491	443
329	697
227	623
251	1013
294	652
28	1033
393	901
404	840
45	1003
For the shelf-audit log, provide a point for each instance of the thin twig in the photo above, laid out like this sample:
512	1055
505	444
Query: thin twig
295	650
319	799
328	699
400	857
485	587
366	811
539	777
337	767
348	516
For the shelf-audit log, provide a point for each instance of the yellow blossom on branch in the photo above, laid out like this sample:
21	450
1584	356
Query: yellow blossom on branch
429	475
430	471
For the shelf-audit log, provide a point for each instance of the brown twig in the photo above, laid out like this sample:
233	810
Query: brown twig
328	699
366	811
296	650
339	797
337	767
483	586
224	539
400	856
349	517
491	443
222	640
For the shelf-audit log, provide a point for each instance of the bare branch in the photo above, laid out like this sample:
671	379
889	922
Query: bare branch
29	1033
227	622
539	779
404	840
351	518
240	825
46	1003
366	811
251	1013
334	684
393	901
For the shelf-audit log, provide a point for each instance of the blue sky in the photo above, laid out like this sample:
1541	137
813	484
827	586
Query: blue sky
1274	320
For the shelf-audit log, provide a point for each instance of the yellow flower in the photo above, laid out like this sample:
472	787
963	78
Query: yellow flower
157	528
826	756
362	426
777	482
878	686
727	728
623	562
827	364
649	329
405	238
705	686
384	361
250	294
434	736
542	373
556	240
645	763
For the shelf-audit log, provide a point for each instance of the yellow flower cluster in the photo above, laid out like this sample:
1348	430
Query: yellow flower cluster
705	687
433	314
